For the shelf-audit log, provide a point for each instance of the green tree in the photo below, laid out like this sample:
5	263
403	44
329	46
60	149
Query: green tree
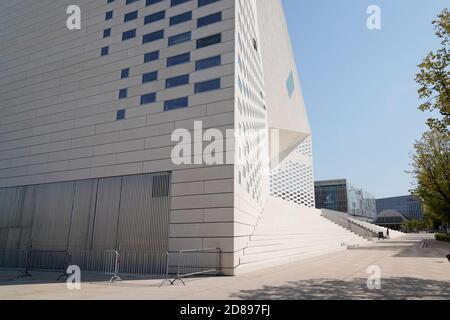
434	77
431	171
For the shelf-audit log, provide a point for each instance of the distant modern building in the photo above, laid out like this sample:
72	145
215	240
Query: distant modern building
408	206
340	195
390	219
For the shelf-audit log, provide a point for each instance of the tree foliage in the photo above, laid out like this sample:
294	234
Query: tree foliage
434	77
431	170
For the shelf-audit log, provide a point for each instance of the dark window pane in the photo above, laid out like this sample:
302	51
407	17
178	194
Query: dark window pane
179	38
107	33
153	36
209	41
129	34
148	98
181	18
176	104
125	73
207	86
182	58
177	2
202	3
151	56
149	77
213	18
208	63
123	93
177	81
130	16
155	17
120	115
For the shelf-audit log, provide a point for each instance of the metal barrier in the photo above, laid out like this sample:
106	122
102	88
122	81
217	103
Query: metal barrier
39	260
194	262
109	262
187	263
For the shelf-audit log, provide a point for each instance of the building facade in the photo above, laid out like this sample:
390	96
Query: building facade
408	206
88	119
340	195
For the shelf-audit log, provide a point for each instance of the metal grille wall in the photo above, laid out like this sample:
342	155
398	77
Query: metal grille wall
129	213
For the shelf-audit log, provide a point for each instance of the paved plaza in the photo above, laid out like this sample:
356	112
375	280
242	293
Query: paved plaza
409	270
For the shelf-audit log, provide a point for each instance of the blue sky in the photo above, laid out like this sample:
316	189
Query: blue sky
359	86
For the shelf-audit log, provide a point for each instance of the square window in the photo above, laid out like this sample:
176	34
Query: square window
120	114
125	73
123	93
109	15
107	33
105	51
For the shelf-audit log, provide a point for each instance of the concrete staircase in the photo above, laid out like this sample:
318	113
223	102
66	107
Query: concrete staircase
288	232
342	219
374	228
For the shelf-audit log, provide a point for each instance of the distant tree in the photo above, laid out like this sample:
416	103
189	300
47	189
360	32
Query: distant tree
431	172
434	77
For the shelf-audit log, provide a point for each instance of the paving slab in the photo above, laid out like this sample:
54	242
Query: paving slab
407	271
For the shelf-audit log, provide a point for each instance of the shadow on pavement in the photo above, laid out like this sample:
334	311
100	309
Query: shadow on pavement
327	289
10	278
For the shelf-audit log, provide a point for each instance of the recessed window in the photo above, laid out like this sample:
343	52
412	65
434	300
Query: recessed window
177	81
209	41
109	1
123	93
130	1
207	86
105	51
151	56
150	2
120	114
153	36
179	38
149	77
155	17
179	59
202	3
208	63
177	2
109	15
130	16
176	104
290	85
107	33
213	18
129	35
125	73
148	98
187	16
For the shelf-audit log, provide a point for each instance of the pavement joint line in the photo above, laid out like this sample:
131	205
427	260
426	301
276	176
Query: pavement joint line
391	253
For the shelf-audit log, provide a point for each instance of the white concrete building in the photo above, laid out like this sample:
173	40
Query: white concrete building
87	118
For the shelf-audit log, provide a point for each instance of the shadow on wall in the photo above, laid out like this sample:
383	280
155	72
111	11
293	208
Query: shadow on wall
326	289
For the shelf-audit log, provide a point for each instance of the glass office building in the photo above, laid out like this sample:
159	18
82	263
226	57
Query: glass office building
340	195
408	206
